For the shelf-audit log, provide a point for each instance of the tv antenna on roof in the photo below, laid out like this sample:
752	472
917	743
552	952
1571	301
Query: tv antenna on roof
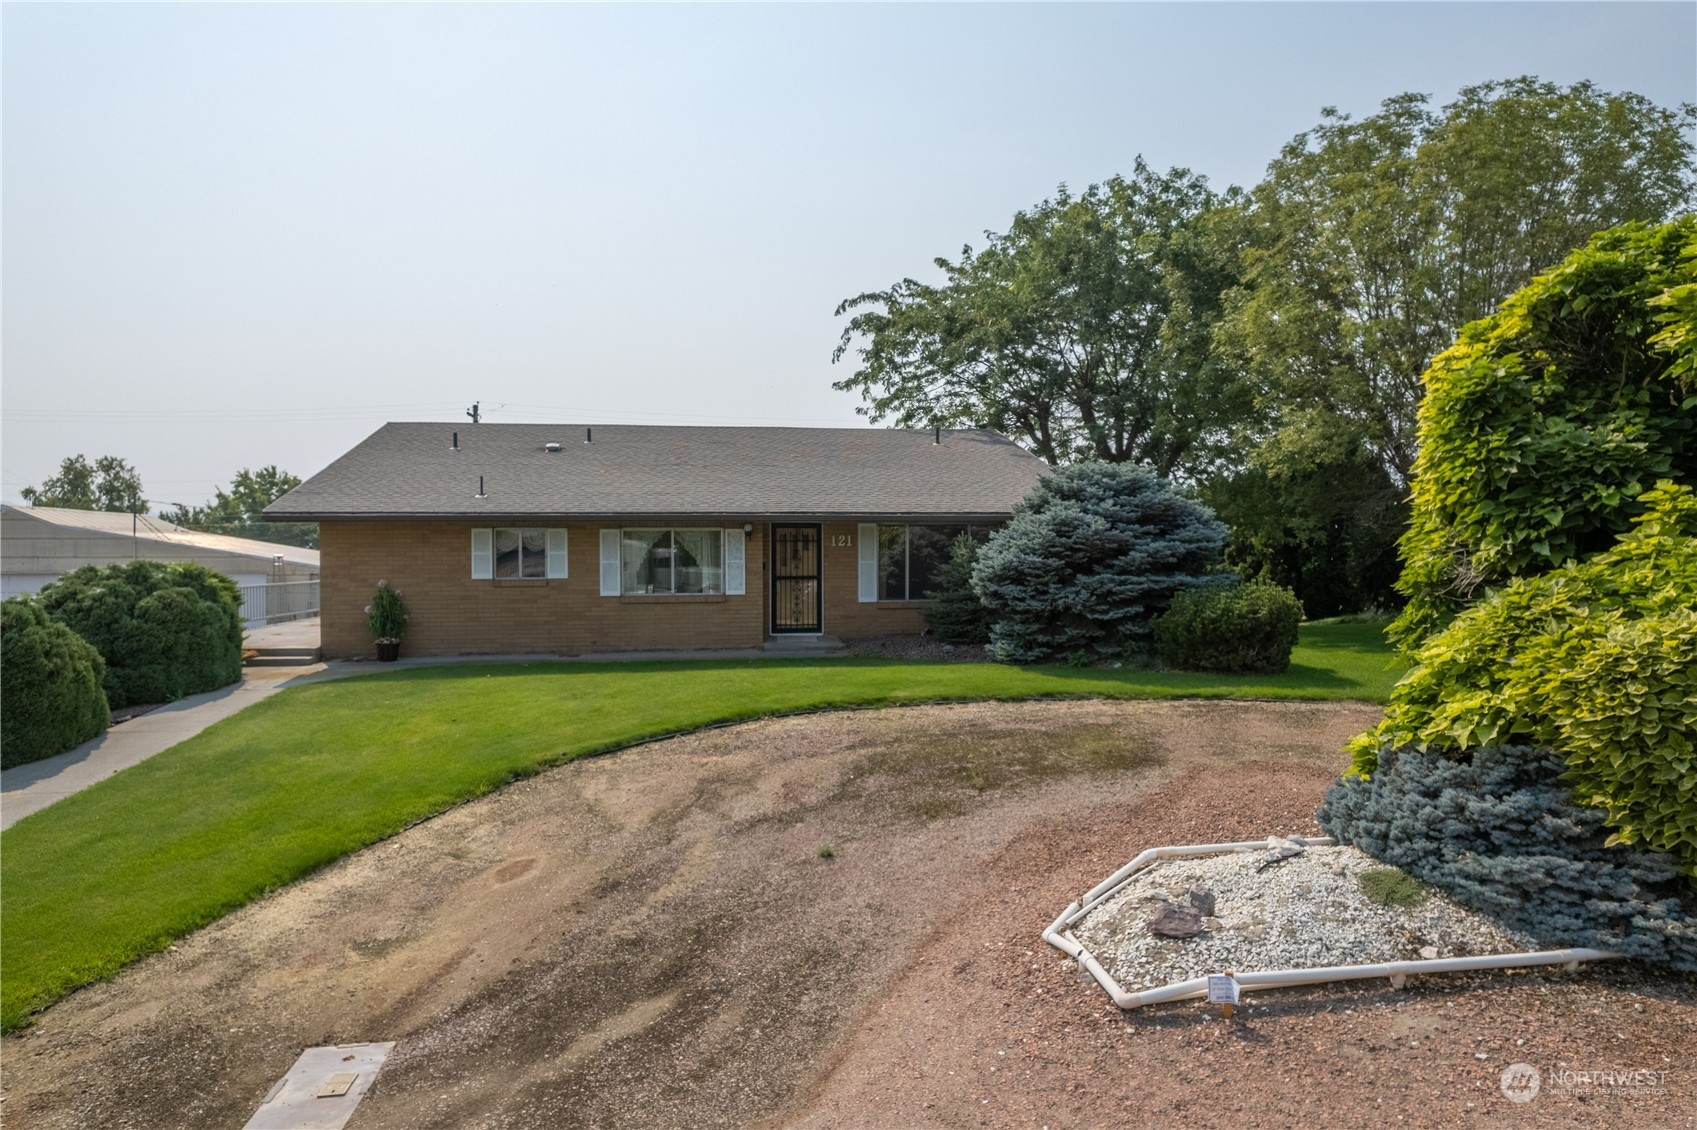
474	411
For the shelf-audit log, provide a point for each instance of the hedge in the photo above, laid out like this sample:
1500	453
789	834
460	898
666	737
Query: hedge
50	685
1243	629
165	631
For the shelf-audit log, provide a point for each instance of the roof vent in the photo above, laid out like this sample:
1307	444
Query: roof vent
551	447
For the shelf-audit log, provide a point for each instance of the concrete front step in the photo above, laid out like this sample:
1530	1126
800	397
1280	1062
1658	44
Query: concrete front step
803	645
284	656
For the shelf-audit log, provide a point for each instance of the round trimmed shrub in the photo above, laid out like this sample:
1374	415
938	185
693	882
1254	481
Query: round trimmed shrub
50	685
1501	832
1092	555
165	631
1241	629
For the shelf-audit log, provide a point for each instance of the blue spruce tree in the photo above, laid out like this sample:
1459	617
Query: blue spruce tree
1092	555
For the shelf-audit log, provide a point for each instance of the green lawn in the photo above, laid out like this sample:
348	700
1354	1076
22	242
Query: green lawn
318	771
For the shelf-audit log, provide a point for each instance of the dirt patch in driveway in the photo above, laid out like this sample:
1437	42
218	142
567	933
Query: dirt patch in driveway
653	939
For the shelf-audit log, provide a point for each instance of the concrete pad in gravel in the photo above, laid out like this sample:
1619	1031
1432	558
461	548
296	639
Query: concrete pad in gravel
323	1088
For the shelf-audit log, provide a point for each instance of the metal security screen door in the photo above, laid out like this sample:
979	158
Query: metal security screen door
795	579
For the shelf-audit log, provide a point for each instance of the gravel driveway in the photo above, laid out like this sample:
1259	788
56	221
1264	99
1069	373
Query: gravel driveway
654	939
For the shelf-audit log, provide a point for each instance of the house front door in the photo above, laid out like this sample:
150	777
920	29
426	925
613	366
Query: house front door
797	604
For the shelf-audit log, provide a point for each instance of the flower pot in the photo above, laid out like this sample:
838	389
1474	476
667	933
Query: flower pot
388	650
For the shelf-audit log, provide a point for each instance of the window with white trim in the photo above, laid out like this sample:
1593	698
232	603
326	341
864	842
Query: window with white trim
521	554
910	557
517	554
672	562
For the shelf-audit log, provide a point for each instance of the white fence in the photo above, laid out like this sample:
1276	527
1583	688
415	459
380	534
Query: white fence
278	602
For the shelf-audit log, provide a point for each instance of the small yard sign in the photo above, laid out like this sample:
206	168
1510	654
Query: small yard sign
1222	990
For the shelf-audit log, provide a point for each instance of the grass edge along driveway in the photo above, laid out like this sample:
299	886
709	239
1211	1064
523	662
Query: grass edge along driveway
315	772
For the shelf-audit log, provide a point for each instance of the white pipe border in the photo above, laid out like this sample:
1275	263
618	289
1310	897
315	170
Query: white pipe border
1059	936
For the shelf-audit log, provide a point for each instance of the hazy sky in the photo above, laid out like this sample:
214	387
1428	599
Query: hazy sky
239	235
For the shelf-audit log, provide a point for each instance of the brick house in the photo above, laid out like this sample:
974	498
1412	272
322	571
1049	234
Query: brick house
581	540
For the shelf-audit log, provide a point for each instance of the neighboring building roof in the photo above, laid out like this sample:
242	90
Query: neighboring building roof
158	533
412	471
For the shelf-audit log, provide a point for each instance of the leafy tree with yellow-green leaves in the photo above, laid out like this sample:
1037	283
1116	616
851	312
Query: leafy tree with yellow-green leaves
1551	570
1545	422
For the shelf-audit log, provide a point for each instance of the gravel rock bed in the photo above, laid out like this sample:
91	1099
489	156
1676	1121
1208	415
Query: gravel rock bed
1305	911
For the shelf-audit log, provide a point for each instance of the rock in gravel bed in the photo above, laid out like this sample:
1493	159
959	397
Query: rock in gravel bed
1307	911
1170	921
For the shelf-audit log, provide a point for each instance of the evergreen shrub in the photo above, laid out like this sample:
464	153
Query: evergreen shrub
1500	832
1092	555
955	614
164	630
49	683
1237	628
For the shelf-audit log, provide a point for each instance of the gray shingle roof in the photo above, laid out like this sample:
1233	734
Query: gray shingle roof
411	471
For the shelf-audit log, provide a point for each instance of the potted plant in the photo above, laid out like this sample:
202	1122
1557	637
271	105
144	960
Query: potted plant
386	616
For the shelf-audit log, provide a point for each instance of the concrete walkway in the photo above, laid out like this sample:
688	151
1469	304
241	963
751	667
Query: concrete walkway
291	633
32	787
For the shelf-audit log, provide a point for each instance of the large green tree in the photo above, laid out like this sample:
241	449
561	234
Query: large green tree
239	511
1365	249
1082	331
1327	531
108	483
1371	243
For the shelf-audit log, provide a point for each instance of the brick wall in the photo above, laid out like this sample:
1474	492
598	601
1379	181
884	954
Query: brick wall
451	614
845	616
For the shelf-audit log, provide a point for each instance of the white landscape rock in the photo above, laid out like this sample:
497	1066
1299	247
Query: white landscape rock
1307	911
1279	850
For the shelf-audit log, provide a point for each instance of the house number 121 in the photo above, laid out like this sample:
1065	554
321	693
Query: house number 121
841	540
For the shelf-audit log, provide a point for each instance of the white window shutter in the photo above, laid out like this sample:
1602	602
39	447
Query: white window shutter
482	554
557	565
610	562
736	568
868	563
